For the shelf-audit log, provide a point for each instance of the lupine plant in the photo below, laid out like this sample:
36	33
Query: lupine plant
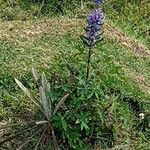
92	31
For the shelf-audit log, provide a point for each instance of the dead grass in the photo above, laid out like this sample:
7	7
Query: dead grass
61	26
138	78
132	44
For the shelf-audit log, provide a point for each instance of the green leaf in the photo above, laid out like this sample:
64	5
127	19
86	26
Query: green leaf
45	84
35	74
96	94
64	124
60	104
26	91
45	104
77	121
90	95
84	126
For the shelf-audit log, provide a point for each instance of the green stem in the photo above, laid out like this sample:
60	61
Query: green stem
88	63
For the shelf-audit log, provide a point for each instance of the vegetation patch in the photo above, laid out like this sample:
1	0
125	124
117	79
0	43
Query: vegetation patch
66	85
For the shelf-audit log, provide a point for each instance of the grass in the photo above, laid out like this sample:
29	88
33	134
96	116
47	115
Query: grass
37	43
123	16
118	66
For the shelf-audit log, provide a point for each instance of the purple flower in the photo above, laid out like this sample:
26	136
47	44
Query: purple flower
95	17
98	1
94	23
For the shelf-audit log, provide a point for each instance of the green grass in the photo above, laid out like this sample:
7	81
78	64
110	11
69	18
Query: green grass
34	43
111	60
132	17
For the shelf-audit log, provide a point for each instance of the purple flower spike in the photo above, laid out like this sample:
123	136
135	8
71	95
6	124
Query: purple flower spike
98	1
95	17
94	23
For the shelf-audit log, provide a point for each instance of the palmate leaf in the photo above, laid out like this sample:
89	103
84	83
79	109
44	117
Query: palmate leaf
60	104
45	103
26	91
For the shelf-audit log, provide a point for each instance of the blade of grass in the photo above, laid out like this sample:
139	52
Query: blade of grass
38	142
60	104
35	74
16	135
16	124
28	140
56	147
26	91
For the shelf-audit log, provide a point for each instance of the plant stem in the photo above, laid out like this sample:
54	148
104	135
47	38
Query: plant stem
88	63
56	147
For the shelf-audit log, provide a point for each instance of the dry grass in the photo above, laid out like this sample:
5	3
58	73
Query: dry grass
61	26
141	81
130	43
